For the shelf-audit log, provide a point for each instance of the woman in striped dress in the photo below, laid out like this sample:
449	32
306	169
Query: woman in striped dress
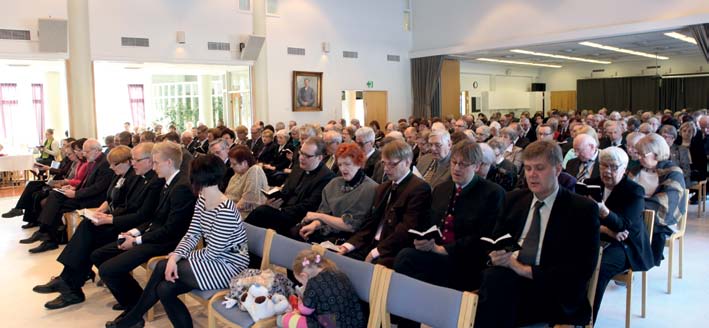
224	255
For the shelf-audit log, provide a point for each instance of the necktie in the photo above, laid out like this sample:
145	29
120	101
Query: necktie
448	233
429	172
582	174
528	253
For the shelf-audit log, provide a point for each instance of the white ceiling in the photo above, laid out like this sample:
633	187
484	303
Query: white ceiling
653	42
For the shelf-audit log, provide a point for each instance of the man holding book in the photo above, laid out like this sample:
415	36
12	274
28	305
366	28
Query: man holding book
559	236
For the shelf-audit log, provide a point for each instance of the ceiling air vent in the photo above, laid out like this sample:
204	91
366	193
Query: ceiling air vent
14	34
598	70
653	67
296	51
349	54
393	58
223	46
135	42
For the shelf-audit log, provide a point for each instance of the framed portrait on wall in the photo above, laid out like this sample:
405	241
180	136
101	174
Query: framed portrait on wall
307	91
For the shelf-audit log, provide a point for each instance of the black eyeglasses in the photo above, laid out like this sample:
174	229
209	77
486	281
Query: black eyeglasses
306	155
139	160
391	165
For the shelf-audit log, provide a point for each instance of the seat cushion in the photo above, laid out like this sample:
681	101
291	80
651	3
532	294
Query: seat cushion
204	294
233	315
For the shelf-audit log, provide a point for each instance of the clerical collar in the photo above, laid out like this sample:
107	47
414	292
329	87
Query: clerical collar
315	170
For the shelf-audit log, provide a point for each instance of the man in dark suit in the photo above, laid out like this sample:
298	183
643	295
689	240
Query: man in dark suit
464	208
332	139
301	193
622	226
526	134
220	148
201	143
613	135
411	135
139	194
365	137
559	236
90	193
255	143
159	235
400	204
585	165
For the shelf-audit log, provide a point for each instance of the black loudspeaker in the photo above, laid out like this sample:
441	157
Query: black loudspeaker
539	87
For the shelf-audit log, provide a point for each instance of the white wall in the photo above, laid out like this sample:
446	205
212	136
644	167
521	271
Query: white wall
453	26
372	28
499	78
24	15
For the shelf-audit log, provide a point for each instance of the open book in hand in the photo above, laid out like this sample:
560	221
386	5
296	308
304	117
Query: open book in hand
274	192
329	245
88	214
506	243
432	233
55	164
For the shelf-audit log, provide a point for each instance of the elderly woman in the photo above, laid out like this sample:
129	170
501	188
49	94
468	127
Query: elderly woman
630	140
511	152
678	155
663	183
279	168
348	134
245	185
268	152
346	200
219	224
501	171
622	227
687	131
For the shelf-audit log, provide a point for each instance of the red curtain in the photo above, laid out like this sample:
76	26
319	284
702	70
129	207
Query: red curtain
137	104
38	104
8	104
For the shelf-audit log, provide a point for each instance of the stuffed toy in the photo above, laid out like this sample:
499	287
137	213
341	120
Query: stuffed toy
276	283
261	306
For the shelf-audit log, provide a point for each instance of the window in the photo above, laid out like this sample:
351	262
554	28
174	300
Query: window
245	5
137	104
8	105
272	7
38	104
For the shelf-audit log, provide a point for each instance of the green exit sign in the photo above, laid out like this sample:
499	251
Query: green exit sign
370	84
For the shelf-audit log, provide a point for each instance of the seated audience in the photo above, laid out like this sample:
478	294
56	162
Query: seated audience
631	139
277	171
678	155
346	201
435	166
332	139
663	182
622	227
220	148
400	204
301	192
269	150
542	282
217	222
158	235
245	187
365	138
585	164
511	152
501	171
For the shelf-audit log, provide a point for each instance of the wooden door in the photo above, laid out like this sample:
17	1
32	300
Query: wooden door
375	107
563	100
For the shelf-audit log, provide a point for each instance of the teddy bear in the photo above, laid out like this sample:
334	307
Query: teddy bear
260	305
276	283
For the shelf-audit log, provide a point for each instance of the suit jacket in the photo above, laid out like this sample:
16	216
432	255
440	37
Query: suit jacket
201	147
143	196
63	171
417	151
335	169
268	153
192	147
227	176
699	157
476	210
302	192
569	249
605	142
173	214
522	142
626	204
574	166
515	156
371	164
443	170
407	209
281	160
93	189
255	146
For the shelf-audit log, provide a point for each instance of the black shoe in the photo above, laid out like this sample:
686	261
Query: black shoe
36	236
29	225
118	307
44	246
53	286
65	299
13	213
120	324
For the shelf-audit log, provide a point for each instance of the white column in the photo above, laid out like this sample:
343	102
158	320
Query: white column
259	89
80	75
53	109
205	100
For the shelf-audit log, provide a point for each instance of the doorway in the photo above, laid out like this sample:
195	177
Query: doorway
375	107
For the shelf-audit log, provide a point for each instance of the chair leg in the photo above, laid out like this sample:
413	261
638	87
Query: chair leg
669	267
628	297
643	303
211	319
681	255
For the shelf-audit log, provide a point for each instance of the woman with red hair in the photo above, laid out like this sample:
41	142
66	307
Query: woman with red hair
346	201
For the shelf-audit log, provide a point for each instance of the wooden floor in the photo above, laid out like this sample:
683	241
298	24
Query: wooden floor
687	306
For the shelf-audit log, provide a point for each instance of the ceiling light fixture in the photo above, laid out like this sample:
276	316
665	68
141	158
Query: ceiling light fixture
542	54
625	51
680	36
515	62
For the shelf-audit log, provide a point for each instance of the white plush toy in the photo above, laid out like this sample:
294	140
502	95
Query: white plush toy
261	306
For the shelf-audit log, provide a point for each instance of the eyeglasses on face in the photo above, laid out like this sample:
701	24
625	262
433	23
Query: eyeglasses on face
133	160
605	166
306	155
391	165
460	164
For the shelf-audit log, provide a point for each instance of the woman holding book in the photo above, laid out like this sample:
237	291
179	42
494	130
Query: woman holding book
249	179
346	200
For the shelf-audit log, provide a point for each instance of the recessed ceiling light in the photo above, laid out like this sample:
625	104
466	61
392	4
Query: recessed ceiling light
625	51
515	62
542	54
680	36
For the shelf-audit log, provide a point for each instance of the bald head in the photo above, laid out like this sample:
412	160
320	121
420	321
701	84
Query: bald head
585	147
92	149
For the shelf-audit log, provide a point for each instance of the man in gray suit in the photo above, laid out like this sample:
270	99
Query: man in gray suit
435	166
306	95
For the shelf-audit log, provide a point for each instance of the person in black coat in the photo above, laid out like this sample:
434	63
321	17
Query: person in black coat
301	193
220	148
157	236
464	208
133	193
268	152
544	282
277	171
622	227
90	193
586	148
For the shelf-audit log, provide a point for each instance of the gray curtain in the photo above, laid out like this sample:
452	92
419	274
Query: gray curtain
701	34
425	78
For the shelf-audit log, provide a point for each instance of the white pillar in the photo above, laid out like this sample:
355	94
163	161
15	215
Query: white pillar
80	75
259	89
53	109
205	100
